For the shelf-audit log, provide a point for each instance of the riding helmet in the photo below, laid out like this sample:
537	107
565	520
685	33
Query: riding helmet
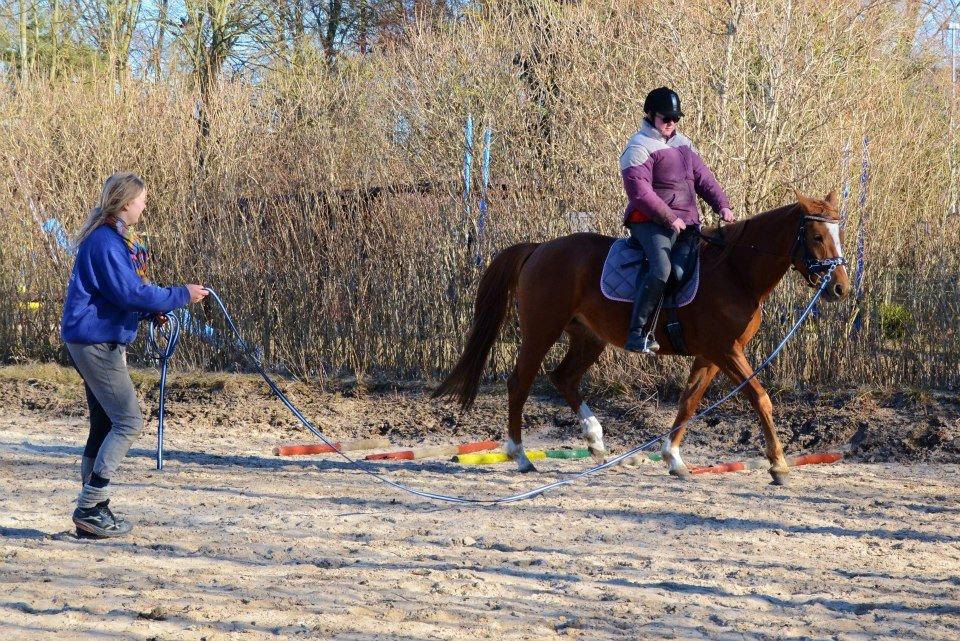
664	101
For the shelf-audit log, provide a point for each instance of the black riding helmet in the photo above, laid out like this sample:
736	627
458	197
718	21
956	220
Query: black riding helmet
664	101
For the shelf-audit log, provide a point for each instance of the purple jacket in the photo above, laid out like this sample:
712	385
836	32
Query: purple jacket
662	179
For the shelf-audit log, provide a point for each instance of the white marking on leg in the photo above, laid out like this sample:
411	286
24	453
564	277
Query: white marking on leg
834	229
671	454
517	453
591	429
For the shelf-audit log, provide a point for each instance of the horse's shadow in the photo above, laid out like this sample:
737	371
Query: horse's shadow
836	605
21	533
679	520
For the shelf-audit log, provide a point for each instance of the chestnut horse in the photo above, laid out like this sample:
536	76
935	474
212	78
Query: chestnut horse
557	289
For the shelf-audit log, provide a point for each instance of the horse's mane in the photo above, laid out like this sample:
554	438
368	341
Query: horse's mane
732	234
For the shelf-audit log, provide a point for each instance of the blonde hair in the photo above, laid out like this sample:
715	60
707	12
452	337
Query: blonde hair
119	190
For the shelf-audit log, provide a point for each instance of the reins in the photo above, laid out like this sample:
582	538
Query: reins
815	266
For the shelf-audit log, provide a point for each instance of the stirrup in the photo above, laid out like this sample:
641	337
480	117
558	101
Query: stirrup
646	345
650	345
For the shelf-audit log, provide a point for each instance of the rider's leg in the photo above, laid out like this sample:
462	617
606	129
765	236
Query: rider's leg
682	254
657	242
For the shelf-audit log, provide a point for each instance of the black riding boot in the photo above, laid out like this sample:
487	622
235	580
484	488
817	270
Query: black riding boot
645	302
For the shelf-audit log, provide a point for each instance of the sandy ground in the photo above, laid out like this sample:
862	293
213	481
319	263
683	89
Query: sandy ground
234	543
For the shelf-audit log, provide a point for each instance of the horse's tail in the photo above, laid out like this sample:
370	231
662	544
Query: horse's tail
494	294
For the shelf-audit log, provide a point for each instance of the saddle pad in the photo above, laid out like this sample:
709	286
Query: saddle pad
619	278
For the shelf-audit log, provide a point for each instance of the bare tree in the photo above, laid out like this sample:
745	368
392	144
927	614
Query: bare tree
110	25
159	38
208	35
22	40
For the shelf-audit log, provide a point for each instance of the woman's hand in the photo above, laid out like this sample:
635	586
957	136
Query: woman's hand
727	215
197	293
678	225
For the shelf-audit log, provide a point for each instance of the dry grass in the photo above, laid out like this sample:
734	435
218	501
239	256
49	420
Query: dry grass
332	284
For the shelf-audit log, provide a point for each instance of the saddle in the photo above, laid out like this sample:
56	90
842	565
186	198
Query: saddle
618	281
623	265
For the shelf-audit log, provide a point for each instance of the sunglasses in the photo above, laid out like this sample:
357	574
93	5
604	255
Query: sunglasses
669	118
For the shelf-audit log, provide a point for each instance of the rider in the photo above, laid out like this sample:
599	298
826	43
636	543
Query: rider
662	175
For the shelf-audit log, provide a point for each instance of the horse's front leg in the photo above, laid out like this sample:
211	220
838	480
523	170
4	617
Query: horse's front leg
736	366
701	373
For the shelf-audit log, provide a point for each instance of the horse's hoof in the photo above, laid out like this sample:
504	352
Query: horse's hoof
600	454
525	469
681	473
780	478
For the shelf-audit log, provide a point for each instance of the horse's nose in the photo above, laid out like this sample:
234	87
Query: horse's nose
839	290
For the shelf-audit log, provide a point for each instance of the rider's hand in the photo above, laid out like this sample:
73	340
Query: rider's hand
678	225
727	215
160	320
197	293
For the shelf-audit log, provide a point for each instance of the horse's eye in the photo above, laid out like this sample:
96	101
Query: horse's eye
818	238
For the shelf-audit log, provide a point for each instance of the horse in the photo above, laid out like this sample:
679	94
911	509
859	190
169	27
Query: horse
556	286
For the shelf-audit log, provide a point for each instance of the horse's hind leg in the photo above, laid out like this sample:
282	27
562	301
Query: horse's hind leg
536	341
701	373
584	350
738	369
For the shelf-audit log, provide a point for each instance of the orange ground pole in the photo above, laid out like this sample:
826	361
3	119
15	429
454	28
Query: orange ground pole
434	451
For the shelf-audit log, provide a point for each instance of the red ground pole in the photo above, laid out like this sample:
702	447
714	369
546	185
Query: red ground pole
797	461
323	448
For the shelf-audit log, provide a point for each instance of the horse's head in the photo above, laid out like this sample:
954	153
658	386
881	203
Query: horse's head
819	245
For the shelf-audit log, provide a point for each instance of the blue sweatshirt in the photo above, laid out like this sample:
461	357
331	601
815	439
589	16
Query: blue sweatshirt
106	299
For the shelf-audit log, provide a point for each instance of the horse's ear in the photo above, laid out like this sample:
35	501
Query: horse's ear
832	200
807	204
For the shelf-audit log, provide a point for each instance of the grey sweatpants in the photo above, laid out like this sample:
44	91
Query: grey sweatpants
103	367
657	242
667	252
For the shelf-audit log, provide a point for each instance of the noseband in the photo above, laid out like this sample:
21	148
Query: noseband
816	267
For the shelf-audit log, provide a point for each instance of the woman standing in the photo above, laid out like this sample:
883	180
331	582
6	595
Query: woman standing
662	176
107	297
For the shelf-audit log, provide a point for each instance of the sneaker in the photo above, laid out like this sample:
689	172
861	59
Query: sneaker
100	521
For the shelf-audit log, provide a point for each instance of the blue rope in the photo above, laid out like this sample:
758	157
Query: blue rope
537	490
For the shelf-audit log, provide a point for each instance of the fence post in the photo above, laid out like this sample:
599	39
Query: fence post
484	188
861	235
864	215
845	193
467	166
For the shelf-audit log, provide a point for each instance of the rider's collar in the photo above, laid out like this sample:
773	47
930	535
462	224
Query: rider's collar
648	130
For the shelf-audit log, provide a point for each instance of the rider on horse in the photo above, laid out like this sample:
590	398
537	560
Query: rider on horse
662	175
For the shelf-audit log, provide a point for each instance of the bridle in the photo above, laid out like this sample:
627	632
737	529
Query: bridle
816	267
